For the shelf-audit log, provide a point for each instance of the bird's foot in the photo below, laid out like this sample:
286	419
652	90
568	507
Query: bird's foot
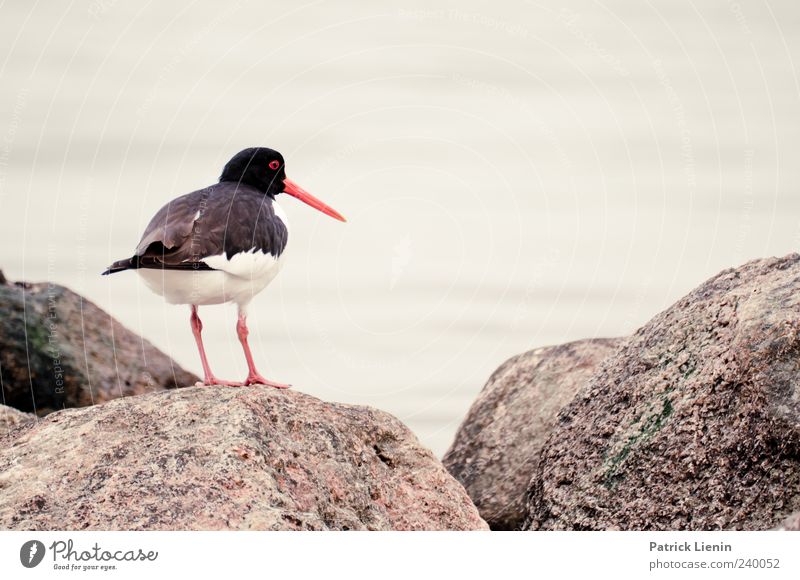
211	381
256	379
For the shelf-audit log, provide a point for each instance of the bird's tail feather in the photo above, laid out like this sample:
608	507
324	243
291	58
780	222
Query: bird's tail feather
120	265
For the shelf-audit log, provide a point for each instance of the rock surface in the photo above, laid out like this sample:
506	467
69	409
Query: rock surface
59	350
497	446
792	523
694	423
205	458
11	418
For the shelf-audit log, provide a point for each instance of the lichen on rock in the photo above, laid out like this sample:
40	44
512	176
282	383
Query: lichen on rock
694	423
59	350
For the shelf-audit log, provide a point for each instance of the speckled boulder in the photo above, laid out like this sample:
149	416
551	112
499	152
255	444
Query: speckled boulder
694	424
59	350
497	446
206	458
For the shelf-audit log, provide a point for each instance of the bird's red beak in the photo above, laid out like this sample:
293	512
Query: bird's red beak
295	190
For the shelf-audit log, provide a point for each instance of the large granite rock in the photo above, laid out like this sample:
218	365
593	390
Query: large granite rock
59	350
218	458
694	423
497	446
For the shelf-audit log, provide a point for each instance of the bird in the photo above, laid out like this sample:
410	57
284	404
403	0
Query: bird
223	243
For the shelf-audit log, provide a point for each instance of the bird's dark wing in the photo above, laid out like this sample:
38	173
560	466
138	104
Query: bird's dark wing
226	217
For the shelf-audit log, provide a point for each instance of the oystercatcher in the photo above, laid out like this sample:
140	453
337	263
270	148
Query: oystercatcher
223	243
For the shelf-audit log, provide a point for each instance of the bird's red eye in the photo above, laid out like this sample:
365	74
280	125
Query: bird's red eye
274	164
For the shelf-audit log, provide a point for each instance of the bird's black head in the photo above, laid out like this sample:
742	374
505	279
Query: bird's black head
261	167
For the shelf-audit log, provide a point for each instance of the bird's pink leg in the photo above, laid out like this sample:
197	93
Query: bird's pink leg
209	378
253	376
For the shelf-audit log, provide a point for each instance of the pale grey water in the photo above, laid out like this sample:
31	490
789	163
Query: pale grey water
515	174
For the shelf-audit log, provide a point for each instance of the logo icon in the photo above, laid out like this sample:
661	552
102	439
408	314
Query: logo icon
31	553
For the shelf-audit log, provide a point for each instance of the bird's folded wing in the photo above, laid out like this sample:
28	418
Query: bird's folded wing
209	222
170	239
